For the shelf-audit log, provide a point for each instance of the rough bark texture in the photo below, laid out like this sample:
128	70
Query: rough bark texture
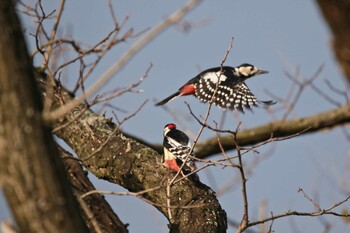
97	213
109	155
337	15
32	175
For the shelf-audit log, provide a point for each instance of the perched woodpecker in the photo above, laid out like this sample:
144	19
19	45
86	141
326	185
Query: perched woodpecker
232	92
177	147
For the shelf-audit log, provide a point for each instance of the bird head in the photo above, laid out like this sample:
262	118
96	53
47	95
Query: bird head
168	127
247	70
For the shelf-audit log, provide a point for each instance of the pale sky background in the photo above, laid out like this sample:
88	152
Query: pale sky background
273	35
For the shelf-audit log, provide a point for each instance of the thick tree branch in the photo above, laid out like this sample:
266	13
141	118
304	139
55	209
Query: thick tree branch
277	129
135	167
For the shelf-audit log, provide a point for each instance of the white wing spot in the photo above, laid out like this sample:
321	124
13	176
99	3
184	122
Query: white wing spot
214	77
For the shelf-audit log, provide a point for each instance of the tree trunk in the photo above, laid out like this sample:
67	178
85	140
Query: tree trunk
32	175
337	15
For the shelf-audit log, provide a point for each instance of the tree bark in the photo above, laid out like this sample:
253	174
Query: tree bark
31	173
336	14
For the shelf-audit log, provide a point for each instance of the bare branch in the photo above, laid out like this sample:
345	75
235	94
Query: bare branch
245	220
327	211
301	86
135	194
133	114
342	93
131	88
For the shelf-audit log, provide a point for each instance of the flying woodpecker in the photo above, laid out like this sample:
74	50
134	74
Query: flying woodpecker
232	93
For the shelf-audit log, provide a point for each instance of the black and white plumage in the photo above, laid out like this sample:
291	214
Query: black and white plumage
177	147
232	93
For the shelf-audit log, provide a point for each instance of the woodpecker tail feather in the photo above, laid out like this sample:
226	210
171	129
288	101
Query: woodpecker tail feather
168	99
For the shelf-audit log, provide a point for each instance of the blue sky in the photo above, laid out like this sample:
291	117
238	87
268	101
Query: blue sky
277	36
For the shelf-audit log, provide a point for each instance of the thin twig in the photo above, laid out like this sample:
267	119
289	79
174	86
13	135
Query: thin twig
86	52
105	49
342	93
270	228
53	34
245	220
46	65
133	114
140	195
124	90
110	5
119	193
301	87
309	199
74	118
90	215
325	95
205	124
168	201
224	153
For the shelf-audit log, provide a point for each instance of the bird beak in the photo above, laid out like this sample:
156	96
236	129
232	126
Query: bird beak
262	72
